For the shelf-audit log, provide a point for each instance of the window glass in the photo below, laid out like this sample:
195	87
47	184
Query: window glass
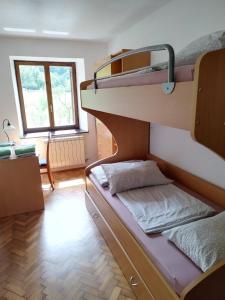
34	95
48	95
62	95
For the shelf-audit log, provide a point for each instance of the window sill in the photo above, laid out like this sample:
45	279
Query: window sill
60	133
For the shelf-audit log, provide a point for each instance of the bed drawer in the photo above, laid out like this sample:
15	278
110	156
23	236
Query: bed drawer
129	271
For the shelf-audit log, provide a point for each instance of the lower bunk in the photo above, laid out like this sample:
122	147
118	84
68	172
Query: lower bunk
156	269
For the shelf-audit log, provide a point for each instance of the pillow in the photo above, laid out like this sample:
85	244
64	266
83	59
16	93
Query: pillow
204	44
203	241
99	173
133	175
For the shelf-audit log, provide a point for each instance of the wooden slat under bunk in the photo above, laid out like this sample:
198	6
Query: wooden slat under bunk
146	103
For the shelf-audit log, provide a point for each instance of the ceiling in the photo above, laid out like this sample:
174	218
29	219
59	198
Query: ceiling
73	19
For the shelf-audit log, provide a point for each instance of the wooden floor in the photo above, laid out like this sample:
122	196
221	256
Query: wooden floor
58	253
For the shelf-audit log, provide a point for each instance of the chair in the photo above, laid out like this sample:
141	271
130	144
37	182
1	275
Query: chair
45	164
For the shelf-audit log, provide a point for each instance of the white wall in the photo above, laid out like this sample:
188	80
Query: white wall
10	46
178	23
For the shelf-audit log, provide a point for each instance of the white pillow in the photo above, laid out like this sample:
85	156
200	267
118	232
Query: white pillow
190	54
204	44
203	241
99	173
133	175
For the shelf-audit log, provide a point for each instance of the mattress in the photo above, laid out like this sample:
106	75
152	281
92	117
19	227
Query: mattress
177	268
183	73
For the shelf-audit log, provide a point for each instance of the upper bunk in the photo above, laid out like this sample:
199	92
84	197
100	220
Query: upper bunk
189	96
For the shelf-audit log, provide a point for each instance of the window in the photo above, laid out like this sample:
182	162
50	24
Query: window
48	95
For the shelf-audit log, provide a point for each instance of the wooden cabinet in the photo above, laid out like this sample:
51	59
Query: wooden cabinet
20	186
105	141
132	62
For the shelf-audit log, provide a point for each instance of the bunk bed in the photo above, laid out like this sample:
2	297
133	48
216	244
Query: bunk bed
195	102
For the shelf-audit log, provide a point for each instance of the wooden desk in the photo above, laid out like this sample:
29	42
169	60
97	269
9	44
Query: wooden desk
20	186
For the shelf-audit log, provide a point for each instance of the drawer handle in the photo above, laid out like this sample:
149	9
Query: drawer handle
95	216
133	281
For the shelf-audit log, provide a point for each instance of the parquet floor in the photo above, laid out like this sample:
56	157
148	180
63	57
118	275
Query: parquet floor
58	253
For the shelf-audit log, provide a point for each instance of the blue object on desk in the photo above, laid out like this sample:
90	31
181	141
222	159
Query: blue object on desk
5	152
25	150
7	144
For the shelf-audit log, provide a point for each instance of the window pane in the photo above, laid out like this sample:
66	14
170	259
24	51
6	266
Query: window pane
34	95
62	95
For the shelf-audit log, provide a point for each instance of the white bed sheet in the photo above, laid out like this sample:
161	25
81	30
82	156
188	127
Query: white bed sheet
161	207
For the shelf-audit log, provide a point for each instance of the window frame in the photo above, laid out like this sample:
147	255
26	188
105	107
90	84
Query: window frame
46	65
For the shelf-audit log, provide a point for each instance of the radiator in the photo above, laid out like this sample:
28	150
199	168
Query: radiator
67	153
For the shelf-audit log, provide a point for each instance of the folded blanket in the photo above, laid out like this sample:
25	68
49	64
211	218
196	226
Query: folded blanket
158	208
25	149
5	152
6	144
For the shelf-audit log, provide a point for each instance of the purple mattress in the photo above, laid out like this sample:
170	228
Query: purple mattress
177	268
183	73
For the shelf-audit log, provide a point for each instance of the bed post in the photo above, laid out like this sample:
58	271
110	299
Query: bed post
132	137
209	95
210	285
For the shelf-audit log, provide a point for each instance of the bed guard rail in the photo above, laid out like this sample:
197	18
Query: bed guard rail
168	86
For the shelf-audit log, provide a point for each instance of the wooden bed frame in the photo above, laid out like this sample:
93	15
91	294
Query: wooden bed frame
141	273
128	116
147	282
